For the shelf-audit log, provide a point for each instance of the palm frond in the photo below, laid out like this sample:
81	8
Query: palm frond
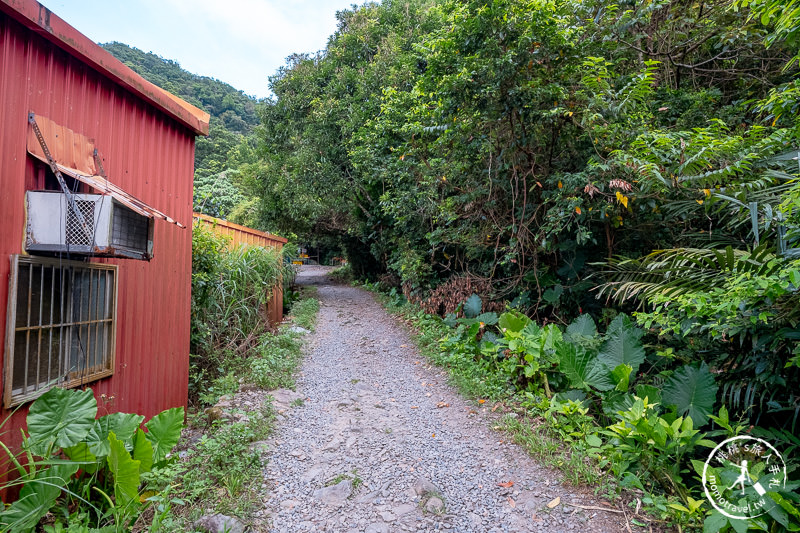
680	270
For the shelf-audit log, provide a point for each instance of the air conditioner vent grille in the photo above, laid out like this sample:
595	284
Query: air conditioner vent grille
77	235
129	229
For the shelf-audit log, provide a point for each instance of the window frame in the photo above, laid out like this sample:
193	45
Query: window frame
66	323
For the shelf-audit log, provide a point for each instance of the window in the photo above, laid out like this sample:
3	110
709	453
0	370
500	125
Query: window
61	325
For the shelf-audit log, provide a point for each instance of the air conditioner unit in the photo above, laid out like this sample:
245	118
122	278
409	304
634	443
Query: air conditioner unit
110	229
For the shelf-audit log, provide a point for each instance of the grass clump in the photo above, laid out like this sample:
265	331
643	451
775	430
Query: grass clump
304	312
343	274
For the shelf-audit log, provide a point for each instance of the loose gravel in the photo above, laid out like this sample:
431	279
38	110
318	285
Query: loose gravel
373	440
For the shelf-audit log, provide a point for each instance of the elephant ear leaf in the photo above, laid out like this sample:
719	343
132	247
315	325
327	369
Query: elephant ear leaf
163	432
692	390
622	347
142	451
582	327
60	418
513	321
621	376
125	470
582	368
473	306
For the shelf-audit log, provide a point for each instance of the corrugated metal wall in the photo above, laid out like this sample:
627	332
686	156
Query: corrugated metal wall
244	235
144	152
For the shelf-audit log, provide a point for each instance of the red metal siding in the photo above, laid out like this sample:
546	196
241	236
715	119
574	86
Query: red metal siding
145	152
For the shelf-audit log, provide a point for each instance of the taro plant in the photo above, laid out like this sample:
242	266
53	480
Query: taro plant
70	460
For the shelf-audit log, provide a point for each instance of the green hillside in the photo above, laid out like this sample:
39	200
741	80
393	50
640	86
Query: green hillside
230	143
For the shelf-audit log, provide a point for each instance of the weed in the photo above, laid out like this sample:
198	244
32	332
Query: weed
297	402
304	313
427	497
354	381
353	476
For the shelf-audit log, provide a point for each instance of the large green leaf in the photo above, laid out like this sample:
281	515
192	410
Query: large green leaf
621	376
142	451
622	346
581	327
123	425
472	307
622	322
653	394
60	418
36	498
81	453
513	321
582	368
489	319
693	391
125	471
163	432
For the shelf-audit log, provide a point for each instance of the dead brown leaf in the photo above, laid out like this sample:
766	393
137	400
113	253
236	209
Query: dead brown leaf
442	404
511	502
506	484
554	502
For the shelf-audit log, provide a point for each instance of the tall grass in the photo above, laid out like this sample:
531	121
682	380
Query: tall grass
230	292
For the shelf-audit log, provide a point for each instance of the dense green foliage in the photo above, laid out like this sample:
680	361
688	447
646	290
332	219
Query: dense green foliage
558	154
569	160
87	472
601	406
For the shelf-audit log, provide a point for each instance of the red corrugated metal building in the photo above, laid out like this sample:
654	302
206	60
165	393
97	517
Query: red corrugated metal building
124	329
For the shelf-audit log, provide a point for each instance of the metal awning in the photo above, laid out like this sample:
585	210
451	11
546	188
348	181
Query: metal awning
67	146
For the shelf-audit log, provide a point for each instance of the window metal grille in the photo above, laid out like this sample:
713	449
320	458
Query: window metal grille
61	325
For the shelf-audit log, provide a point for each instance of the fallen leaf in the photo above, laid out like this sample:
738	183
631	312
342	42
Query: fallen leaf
442	404
511	502
473	412
481	401
428	394
554	502
415	406
496	407
434	435
506	484
404	345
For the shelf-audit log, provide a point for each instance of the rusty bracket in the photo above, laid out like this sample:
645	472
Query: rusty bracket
59	177
99	163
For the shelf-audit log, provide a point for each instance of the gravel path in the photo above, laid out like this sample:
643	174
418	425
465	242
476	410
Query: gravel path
382	444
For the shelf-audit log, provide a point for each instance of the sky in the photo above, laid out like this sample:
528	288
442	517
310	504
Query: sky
240	42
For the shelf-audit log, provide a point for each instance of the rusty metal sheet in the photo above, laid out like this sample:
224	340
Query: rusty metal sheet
69	148
242	234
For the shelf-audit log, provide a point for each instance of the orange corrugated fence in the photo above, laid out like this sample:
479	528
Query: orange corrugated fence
243	235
